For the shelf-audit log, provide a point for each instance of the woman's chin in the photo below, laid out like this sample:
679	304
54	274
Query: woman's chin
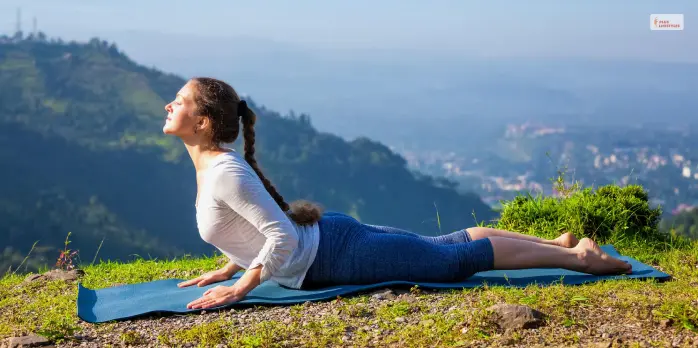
168	130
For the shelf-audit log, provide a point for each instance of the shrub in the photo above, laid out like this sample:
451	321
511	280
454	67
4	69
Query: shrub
609	214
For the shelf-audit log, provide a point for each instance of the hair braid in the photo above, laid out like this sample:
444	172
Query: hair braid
248	133
302	212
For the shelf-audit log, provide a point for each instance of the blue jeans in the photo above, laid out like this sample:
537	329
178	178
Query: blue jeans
351	252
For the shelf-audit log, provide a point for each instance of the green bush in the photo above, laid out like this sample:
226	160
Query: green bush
611	214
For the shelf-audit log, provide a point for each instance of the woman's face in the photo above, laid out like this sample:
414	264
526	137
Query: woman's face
181	120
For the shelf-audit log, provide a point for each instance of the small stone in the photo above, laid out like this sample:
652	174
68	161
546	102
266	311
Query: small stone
345	338
203	312
452	309
384	294
676	342
31	340
509	316
400	320
464	330
33	277
288	321
56	274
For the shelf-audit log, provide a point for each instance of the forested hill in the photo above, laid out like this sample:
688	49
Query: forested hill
82	151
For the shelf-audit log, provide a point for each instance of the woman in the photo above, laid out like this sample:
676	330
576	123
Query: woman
240	212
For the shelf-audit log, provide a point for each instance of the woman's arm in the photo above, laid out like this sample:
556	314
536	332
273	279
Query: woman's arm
216	276
230	269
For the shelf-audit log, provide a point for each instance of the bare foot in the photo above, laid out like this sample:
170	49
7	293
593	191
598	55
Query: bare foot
566	240
596	261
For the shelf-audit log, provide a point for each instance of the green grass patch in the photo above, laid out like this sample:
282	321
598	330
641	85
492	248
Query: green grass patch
460	318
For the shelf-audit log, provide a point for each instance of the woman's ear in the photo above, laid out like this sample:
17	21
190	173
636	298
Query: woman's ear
203	123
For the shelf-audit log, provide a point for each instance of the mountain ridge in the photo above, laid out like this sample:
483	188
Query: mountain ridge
88	122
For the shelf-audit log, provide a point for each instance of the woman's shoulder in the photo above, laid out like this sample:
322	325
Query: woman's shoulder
229	166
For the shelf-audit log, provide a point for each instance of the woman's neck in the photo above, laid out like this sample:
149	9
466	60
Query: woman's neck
200	154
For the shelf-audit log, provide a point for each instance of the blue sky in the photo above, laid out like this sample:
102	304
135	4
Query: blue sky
596	29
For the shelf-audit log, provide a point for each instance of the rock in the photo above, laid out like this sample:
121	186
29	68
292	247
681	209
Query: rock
33	277
28	341
509	316
399	320
666	323
56	274
386	294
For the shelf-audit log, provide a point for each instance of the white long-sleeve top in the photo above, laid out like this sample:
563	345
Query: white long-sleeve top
237	215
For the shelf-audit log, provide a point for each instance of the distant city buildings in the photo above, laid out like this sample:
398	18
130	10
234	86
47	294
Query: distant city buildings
621	165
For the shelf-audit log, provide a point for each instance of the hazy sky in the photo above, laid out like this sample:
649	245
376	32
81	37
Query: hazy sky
599	29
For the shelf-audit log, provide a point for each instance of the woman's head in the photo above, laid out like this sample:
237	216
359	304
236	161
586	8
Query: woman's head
209	111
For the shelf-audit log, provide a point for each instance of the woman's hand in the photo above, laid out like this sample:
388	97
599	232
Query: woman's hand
222	295
218	296
206	279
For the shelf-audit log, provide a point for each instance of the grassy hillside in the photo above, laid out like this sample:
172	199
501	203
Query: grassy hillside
80	129
619	313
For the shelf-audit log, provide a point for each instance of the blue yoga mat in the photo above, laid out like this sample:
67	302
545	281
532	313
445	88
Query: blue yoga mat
163	296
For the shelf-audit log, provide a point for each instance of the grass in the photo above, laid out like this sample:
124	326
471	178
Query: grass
627	310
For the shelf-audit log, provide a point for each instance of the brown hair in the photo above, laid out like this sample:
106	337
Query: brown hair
219	102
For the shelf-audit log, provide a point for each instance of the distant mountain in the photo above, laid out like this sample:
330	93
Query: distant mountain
435	99
82	152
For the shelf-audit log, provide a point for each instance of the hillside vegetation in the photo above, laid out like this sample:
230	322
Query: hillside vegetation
81	138
611	313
